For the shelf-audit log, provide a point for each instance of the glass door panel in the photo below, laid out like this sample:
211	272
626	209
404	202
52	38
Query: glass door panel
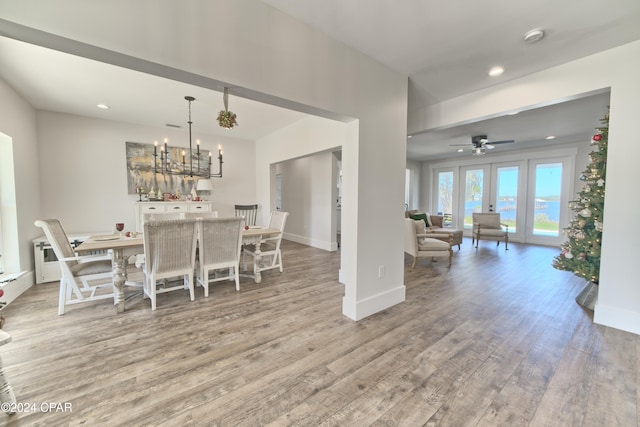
475	198
546	206
445	196
506	194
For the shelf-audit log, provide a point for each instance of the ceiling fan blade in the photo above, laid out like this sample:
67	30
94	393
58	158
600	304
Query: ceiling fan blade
506	141
459	145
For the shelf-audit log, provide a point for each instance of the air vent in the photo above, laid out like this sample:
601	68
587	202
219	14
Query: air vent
173	126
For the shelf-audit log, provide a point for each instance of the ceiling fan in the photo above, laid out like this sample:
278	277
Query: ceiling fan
480	143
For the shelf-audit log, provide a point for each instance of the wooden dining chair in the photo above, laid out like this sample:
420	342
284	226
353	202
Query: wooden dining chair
83	278
248	212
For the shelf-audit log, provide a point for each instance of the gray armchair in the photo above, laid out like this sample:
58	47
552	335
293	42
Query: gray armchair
418	243
487	226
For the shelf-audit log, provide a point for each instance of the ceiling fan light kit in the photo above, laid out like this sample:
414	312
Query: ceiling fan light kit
480	143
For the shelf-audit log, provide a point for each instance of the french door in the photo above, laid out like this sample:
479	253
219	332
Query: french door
548	191
493	188
529	195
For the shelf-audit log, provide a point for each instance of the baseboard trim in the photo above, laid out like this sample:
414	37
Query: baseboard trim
358	310
618	318
314	243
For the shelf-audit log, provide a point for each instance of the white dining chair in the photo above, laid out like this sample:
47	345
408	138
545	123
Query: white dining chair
219	243
170	252
248	212
270	253
83	278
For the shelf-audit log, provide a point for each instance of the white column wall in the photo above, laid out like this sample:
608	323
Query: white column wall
619	294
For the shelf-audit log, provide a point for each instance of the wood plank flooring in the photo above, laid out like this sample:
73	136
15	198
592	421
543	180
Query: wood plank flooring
497	340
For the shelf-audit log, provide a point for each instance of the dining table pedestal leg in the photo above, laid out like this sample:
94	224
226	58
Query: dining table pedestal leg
256	264
119	278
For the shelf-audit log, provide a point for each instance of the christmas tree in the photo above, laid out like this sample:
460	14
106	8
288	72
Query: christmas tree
581	252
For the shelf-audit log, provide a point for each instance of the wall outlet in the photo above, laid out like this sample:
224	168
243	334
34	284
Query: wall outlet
381	272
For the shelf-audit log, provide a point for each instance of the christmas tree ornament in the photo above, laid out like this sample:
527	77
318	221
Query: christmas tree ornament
600	182
581	256
586	213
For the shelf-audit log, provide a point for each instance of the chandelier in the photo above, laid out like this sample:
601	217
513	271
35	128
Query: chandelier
174	165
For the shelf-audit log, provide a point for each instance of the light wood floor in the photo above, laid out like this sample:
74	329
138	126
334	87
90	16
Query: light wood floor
497	340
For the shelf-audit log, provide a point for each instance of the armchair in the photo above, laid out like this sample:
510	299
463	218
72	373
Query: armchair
418	243
83	278
487	226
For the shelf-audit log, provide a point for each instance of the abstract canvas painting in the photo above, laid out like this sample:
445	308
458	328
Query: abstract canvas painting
144	170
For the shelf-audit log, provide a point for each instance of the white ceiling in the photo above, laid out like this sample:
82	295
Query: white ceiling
56	81
445	48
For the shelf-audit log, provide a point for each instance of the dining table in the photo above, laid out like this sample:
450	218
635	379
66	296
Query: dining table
122	248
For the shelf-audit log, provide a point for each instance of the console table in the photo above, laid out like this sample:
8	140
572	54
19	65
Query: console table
166	207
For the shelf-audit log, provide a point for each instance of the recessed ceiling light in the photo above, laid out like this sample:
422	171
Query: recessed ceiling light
533	36
103	106
550	137
409	136
496	71
459	150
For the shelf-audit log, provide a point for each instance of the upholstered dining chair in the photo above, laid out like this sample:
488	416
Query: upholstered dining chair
487	226
248	212
219	242
170	252
83	278
418	243
270	253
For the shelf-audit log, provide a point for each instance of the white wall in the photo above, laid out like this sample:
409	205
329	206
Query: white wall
82	164
415	171
307	194
619	294
288	147
20	204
